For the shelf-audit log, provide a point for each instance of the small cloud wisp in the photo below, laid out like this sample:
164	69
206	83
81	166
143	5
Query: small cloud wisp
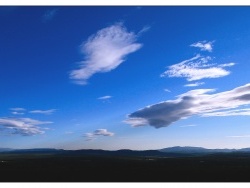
203	45
98	132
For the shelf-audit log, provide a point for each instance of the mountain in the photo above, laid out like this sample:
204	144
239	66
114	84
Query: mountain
244	150
35	150
176	151
5	149
186	149
189	149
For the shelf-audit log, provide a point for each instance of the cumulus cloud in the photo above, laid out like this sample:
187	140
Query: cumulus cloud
194	84
204	45
98	132
200	102
45	112
105	51
104	97
196	68
23	126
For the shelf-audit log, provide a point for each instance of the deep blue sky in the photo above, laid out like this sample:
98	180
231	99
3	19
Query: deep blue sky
119	77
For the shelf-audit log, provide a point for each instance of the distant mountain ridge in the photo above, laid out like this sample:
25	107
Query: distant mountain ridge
191	149
177	151
5	149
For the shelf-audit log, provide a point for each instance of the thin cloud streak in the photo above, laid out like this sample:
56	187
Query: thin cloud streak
49	15
105	51
105	97
45	112
239	136
188	126
167	90
17	113
18	109
196	68
143	30
194	102
194	84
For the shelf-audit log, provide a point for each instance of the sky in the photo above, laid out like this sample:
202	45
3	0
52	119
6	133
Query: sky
124	77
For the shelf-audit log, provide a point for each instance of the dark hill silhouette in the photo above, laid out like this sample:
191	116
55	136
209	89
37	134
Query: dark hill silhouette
176	151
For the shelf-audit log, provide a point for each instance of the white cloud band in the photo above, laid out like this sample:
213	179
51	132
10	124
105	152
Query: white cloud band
195	102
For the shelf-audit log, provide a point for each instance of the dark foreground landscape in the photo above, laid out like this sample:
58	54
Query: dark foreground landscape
124	166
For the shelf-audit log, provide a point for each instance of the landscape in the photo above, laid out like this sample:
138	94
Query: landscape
175	164
124	94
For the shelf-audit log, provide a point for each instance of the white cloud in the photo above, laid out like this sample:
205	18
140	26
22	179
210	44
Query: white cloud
227	64
196	68
238	112
17	113
204	45
104	97
45	112
136	121
105	51
18	109
167	90
194	84
194	102
23	126
98	132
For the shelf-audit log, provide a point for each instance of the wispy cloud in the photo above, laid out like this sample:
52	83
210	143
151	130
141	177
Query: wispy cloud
196	68
45	112
98	132
194	84
188	125
167	90
23	126
49	14
204	45
17	113
240	136
227	65
194	102
144	29
105	51
18	109
105	97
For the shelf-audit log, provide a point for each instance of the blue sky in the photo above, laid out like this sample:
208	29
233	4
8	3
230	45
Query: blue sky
124	77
